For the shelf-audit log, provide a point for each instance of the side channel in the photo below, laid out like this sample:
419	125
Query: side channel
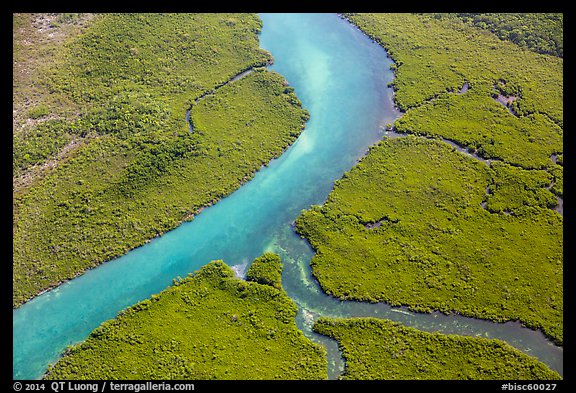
341	77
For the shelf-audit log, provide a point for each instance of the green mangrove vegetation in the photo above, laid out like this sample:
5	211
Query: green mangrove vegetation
104	160
434	57
416	222
210	325
382	349
515	189
407	226
266	270
124	167
540	32
476	121
129	59
38	45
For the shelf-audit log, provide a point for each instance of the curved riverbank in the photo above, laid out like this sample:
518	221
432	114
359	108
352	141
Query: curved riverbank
239	227
213	91
310	50
211	325
314	303
356	196
377	349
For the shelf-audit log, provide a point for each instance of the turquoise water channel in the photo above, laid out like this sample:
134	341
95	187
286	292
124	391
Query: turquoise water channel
341	77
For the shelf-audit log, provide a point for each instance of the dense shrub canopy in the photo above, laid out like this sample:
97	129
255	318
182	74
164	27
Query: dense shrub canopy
419	223
136	170
211	325
382	349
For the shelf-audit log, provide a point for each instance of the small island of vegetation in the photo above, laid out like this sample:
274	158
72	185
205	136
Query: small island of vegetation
211	325
133	123
417	222
385	350
113	163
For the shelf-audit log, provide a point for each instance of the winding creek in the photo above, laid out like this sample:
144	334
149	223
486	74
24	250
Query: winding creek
213	91
341	77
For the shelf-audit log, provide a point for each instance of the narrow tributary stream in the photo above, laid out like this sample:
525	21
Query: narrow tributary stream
341	77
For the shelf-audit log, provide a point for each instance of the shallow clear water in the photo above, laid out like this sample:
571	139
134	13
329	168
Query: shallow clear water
341	77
